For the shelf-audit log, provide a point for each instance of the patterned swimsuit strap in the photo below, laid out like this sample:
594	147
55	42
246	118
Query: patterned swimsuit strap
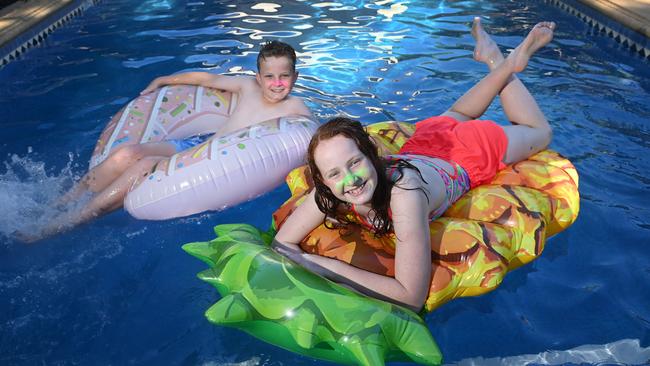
456	184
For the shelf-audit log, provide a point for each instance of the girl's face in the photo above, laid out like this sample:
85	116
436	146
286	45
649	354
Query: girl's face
346	171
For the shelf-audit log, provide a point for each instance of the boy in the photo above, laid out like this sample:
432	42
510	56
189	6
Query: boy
261	98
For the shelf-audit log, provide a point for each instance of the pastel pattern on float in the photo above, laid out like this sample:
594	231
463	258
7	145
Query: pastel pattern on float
221	172
157	116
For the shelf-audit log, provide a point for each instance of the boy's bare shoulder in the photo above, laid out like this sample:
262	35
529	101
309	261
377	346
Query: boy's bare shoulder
249	87
248	81
233	83
294	100
297	106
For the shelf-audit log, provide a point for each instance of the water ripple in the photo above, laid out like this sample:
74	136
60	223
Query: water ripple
136	64
258	35
235	15
224	43
183	33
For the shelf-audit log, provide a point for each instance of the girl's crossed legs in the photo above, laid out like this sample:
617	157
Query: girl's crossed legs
530	132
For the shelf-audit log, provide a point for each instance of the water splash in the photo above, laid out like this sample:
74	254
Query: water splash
27	194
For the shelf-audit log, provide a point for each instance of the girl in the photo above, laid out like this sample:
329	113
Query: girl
402	193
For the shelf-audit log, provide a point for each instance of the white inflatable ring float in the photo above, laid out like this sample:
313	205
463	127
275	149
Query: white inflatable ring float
221	172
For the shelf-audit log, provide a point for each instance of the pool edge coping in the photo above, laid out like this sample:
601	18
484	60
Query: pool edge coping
25	24
618	10
628	31
36	19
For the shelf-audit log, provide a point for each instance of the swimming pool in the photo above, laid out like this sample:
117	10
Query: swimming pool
121	291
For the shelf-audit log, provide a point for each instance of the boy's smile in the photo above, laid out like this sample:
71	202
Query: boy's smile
276	78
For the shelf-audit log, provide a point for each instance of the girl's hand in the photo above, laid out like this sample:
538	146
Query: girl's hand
290	251
279	247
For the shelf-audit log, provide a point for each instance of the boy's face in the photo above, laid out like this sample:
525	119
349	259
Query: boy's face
276	78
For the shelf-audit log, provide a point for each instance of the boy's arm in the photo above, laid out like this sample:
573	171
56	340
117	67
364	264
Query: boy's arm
206	79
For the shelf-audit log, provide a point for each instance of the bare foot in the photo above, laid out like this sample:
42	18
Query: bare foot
34	236
486	50
539	36
56	225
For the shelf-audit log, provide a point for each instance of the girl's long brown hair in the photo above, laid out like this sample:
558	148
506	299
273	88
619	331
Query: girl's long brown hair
380	202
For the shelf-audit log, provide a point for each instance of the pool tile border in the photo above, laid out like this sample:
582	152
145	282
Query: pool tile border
633	40
35	34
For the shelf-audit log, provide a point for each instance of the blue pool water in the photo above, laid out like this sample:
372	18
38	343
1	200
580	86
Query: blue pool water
121	291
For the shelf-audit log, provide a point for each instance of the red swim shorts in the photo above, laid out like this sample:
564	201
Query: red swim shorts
477	146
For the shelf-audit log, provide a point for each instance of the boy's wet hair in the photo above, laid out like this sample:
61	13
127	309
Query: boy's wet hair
277	49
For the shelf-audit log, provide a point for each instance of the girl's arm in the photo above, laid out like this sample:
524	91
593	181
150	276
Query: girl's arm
410	286
298	225
206	79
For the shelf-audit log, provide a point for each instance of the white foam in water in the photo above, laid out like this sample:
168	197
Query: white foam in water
252	362
623	352
27	191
